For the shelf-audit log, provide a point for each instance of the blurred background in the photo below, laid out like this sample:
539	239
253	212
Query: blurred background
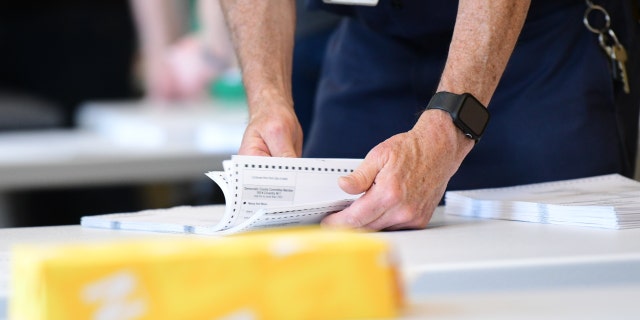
122	105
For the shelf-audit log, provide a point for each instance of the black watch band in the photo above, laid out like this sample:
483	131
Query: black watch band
467	113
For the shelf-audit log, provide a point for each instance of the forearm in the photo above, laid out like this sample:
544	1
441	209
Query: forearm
485	34
262	32
158	23
214	32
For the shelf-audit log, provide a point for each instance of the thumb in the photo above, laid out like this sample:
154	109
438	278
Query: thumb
361	179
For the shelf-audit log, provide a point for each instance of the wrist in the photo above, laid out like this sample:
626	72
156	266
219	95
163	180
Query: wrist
466	112
269	96
438	127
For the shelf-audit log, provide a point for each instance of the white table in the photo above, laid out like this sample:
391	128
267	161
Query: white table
599	302
133	142
124	142
463	268
62	158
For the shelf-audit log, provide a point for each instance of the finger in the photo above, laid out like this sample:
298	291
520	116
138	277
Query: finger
381	208
252	146
361	179
398	220
280	148
259	148
359	214
281	143
414	225
254	151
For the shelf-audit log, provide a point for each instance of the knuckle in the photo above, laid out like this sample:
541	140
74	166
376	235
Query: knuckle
275	128
403	216
355	220
392	195
412	219
382	152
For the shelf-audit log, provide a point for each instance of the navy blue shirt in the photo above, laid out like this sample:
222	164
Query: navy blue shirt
556	114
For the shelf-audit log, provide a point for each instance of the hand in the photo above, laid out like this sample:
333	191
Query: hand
273	130
182	71
194	66
404	177
159	80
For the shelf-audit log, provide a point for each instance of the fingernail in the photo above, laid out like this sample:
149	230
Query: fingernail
344	180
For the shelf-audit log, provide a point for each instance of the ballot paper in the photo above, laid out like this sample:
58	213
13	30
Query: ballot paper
259	192
608	201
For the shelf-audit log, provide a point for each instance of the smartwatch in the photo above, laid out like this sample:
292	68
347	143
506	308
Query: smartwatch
468	114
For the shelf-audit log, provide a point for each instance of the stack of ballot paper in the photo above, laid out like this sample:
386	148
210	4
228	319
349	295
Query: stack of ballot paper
609	201
260	192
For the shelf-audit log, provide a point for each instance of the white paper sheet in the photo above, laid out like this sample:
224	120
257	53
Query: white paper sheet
260	192
609	201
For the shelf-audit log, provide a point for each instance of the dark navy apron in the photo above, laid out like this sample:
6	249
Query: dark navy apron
556	114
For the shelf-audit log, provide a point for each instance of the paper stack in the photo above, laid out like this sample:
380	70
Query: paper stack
608	201
260	193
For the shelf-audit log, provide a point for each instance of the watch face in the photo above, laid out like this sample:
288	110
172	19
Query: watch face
474	115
